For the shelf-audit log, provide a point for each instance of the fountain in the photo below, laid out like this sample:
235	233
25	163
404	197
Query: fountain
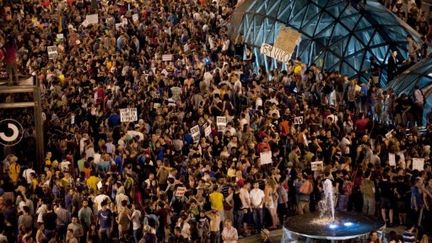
326	205
326	224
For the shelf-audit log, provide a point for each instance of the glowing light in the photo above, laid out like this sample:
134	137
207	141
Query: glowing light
348	224
333	226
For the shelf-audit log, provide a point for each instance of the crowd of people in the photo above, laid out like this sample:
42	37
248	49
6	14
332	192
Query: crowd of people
159	179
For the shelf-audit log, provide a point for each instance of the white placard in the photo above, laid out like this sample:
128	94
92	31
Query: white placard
135	18
195	131
266	158
418	164
180	191
207	130
52	52
92	19
99	185
317	166
298	120
276	53
392	159
60	36
221	123
167	57
128	115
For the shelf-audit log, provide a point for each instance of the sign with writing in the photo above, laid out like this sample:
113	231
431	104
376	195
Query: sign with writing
298	120
195	131
418	164
52	52
167	57
11	132
392	159
266	158
287	39
274	52
221	123
60	36
128	115
317	166
180	192
207	130
92	19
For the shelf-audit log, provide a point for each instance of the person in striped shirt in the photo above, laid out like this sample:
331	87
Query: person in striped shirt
409	234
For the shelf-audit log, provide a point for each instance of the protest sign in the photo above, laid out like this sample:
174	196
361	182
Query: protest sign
92	19
195	132
167	57
298	120
221	123
207	130
418	164
180	192
266	158
128	115
52	52
392	159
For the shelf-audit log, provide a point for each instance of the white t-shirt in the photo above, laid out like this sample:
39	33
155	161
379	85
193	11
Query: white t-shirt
99	199
136	219
256	197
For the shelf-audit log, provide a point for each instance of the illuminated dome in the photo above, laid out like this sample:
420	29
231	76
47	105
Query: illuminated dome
420	74
335	35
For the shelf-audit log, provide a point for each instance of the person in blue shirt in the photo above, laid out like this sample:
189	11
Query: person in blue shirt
416	201
105	222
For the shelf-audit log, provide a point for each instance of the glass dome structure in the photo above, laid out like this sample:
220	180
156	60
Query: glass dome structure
335	34
420	74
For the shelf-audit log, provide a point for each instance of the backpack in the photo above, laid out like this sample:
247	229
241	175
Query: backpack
306	188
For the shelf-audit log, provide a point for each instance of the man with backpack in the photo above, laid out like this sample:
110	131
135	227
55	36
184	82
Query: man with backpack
304	189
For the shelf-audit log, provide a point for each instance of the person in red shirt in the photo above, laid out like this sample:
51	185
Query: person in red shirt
362	124
10	52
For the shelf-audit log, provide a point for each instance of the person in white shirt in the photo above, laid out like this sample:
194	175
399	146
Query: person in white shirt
136	223
257	201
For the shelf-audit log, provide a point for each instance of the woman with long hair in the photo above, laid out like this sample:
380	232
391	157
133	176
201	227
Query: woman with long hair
270	200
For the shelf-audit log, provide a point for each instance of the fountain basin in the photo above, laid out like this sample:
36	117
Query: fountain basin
346	226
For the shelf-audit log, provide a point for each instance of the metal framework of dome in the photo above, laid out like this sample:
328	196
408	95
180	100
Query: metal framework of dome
335	34
420	74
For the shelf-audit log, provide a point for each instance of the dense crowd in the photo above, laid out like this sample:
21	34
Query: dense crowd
156	180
